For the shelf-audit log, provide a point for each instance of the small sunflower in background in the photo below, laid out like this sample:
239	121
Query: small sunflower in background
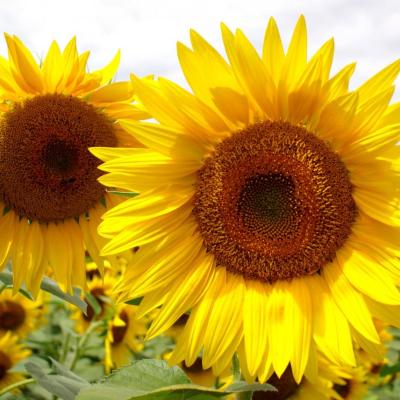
11	352
101	289
125	333
50	200
376	358
352	384
269	205
19	315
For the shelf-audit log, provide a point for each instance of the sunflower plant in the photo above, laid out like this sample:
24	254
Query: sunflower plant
238	240
268	206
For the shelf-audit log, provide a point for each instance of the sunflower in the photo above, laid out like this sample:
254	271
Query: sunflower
268	206
100	288
351	384
20	315
124	335
288	389
10	354
50	199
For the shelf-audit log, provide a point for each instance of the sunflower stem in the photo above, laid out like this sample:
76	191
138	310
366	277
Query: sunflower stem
65	348
16	385
237	376
81	343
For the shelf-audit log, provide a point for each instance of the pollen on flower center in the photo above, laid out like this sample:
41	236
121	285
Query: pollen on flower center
48	174
12	315
274	202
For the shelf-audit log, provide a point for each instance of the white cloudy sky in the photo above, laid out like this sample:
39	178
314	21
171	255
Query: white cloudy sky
366	31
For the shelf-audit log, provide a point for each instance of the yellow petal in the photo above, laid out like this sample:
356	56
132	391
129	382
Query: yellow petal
255	324
8	223
368	277
25	63
113	92
296	56
168	141
281	330
273	54
331	329
183	295
382	81
301	326
350	301
225	321
107	73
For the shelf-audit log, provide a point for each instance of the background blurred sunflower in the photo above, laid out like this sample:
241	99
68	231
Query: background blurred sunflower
100	288
19	315
10	354
50	199
351	383
125	335
268	205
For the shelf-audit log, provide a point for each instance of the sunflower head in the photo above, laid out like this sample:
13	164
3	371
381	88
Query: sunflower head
351	383
11	352
101	289
124	335
268	206
50	200
20	315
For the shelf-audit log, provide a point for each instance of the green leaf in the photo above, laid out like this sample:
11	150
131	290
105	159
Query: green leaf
124	194
241	386
93	303
134	302
48	285
390	369
154	380
65	384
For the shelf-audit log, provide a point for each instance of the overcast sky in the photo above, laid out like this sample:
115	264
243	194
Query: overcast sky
146	31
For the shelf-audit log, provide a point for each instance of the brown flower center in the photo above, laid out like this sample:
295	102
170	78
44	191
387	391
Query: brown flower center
343	390
286	387
118	332
98	294
48	174
5	364
274	202
12	315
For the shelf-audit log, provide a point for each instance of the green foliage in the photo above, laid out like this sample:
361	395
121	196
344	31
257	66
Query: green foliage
63	383
143	380
48	285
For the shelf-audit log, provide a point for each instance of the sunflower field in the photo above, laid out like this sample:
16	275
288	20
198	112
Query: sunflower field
237	239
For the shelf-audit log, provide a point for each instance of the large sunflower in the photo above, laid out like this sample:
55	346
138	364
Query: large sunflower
50	199
268	205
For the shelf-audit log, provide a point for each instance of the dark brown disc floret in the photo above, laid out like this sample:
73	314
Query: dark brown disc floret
274	202
47	172
12	315
285	387
118	332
